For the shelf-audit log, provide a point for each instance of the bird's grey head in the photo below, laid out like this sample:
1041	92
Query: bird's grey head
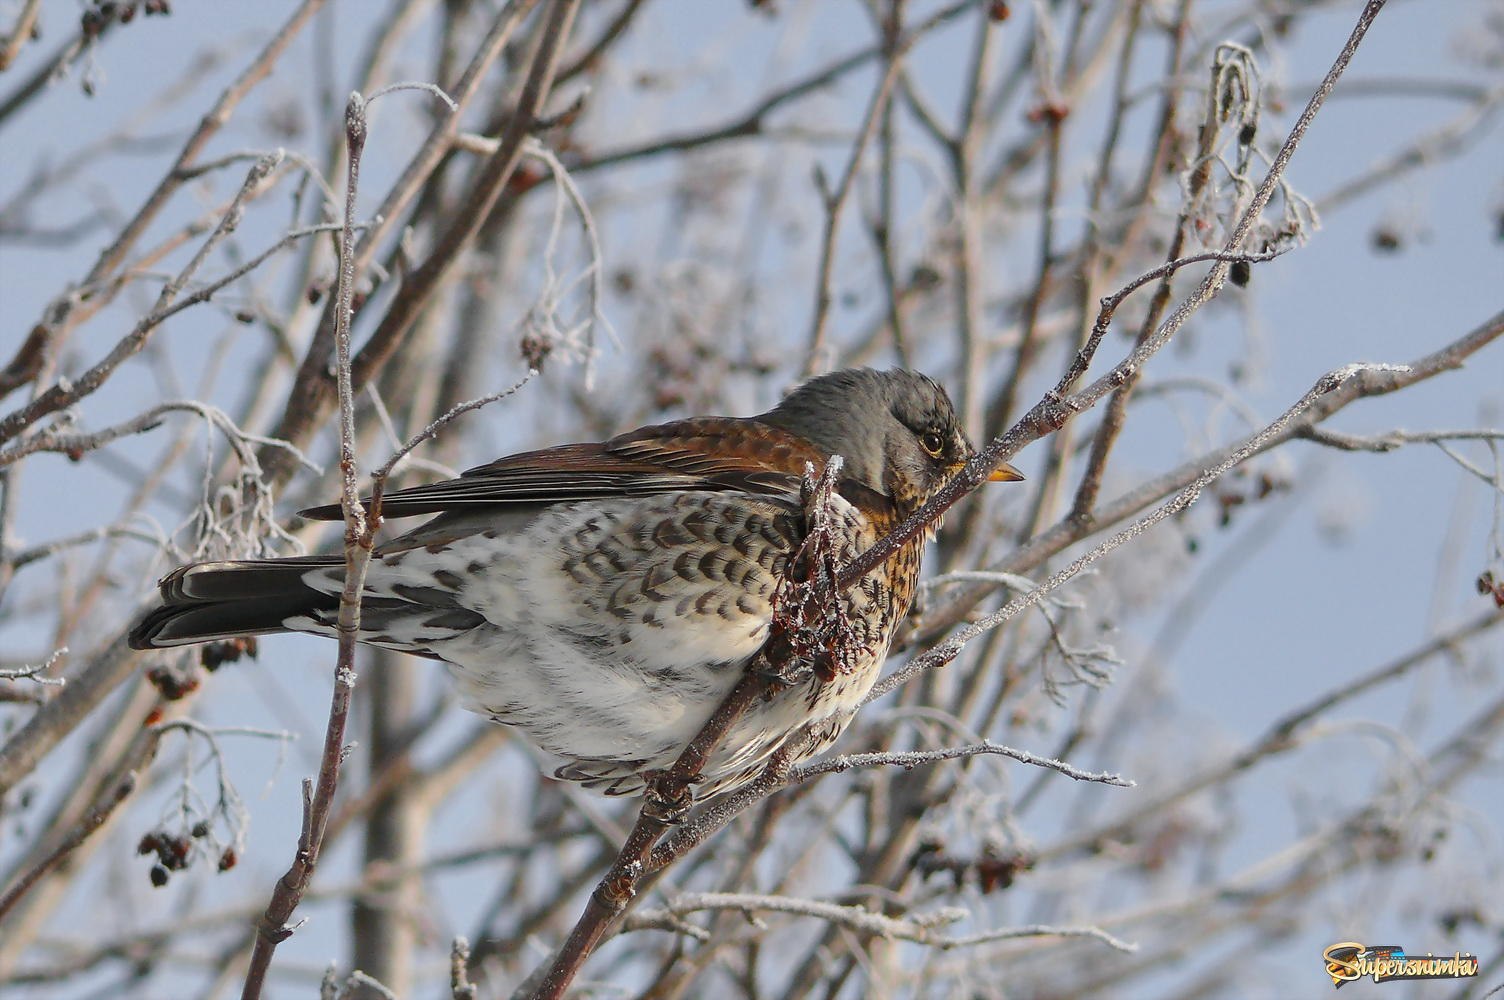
896	430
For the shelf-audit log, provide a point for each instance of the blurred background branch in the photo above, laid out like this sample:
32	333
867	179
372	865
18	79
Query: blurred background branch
664	208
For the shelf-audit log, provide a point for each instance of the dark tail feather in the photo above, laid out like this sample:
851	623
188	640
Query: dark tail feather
222	600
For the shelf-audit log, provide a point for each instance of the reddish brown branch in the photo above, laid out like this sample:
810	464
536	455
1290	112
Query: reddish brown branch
272	928
619	886
802	606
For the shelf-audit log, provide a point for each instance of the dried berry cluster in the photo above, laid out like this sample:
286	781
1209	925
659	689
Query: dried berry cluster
174	685
1240	492
175	851
99	16
993	868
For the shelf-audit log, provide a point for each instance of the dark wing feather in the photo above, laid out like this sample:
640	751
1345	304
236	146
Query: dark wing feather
706	453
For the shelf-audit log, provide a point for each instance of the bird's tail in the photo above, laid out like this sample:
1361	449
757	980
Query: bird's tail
222	600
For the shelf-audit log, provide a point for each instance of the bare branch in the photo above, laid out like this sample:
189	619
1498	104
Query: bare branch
67	392
919	927
919	758
272	927
40	673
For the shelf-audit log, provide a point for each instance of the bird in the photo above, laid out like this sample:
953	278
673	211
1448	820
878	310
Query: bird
603	598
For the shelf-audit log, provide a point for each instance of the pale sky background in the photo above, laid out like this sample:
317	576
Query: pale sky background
1347	576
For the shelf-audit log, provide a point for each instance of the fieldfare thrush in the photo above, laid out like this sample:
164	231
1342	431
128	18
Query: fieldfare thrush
603	599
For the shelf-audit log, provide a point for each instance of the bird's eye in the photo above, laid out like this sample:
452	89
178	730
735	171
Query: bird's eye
932	442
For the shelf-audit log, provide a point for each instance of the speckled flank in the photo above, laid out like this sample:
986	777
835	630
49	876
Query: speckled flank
566	617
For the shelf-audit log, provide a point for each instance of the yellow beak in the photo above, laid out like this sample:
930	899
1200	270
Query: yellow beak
1005	473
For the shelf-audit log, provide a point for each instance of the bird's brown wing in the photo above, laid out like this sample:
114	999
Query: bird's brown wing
704	453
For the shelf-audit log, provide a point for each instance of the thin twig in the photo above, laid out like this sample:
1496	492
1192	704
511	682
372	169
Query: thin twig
67	392
92	821
58	437
38	673
834	203
918	758
1335	381
917	927
1283	735
272	927
310	396
19	34
1373	381
54	328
